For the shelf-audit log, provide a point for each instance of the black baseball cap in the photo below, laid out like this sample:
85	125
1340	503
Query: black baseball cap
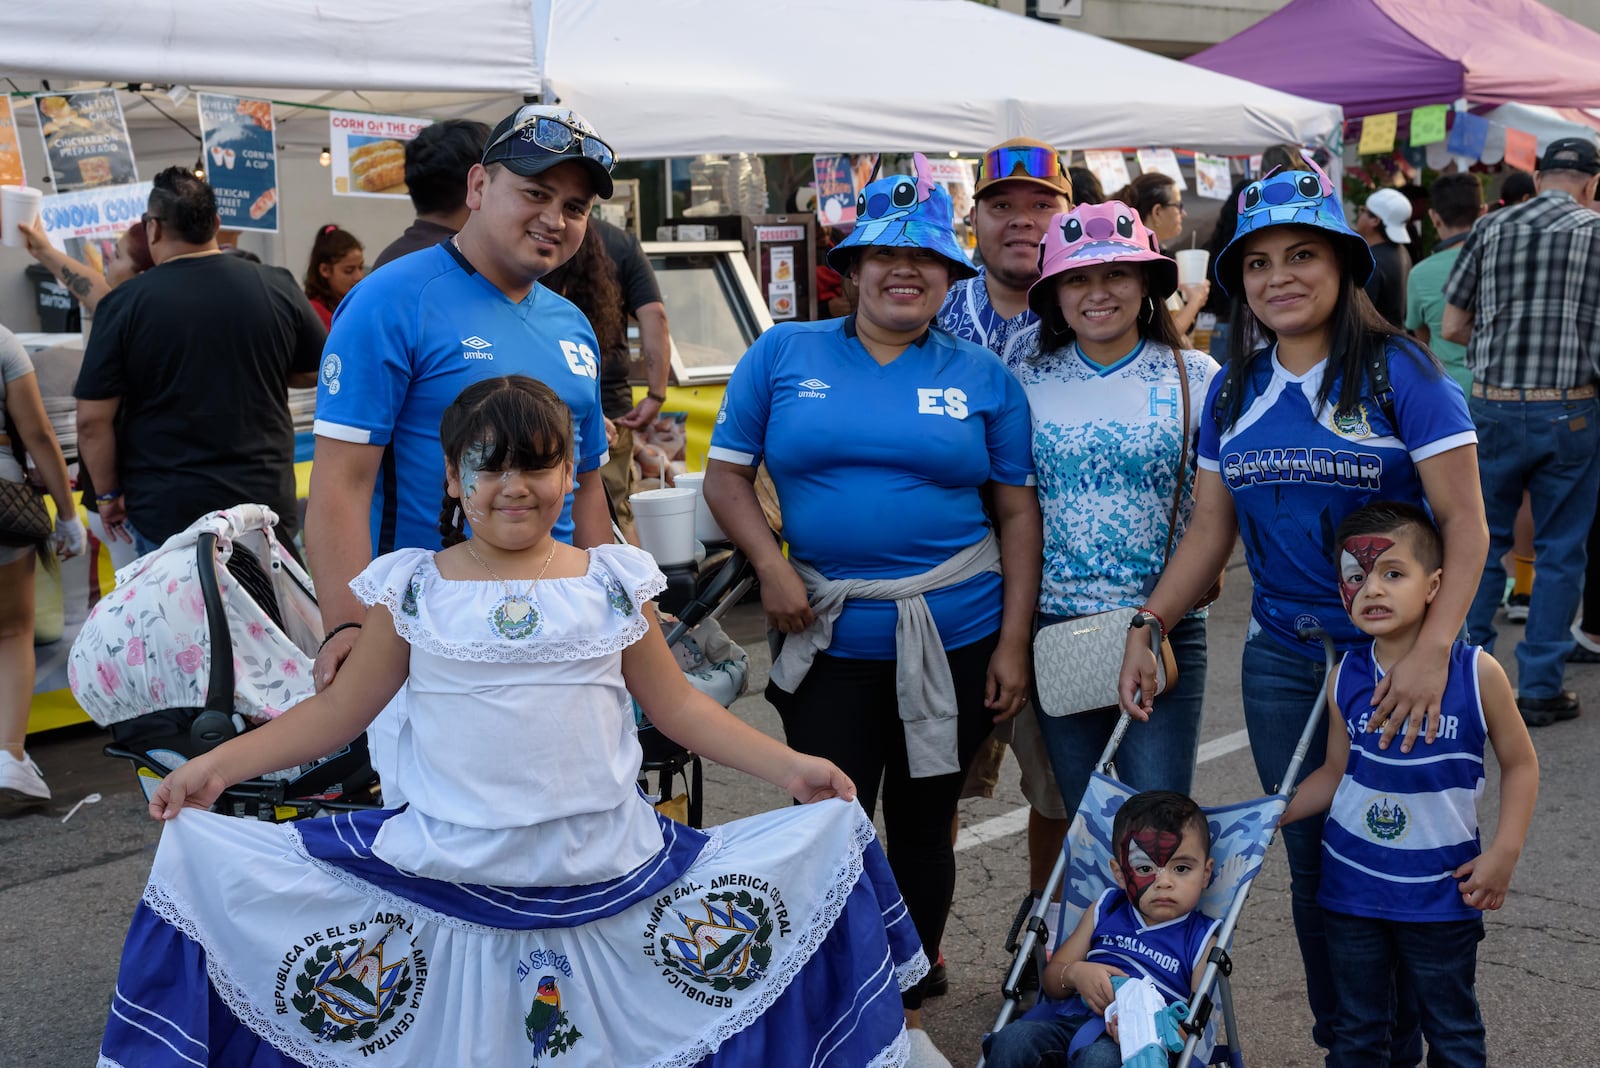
1571	154
537	137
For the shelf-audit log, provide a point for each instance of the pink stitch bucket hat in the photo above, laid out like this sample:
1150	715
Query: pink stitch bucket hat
1092	234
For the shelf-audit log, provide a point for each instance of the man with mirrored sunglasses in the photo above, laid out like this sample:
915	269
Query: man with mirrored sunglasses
1021	184
410	338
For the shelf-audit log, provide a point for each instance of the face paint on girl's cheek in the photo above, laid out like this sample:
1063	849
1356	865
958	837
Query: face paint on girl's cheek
472	461
1357	556
1149	848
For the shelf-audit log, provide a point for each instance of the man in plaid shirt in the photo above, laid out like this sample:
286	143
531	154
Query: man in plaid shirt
1524	298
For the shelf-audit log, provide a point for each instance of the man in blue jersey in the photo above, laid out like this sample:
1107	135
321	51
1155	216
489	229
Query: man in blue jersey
409	339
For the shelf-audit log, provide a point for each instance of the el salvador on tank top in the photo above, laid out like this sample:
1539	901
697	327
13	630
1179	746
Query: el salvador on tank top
1295	470
1401	823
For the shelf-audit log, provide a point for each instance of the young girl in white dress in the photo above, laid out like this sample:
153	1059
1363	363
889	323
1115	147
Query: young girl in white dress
527	903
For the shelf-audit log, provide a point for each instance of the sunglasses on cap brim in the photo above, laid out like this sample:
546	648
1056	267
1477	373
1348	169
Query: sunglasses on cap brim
1016	161
542	135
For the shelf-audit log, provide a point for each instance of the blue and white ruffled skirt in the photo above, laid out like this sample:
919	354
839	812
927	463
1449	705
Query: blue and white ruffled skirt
779	940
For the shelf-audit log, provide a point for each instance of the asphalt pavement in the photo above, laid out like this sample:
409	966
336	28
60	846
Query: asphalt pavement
68	888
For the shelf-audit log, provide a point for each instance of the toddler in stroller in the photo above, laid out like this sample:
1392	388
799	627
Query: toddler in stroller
1149	926
1239	835
209	635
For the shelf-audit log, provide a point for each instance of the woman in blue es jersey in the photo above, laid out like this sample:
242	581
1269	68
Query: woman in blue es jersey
905	610
1336	411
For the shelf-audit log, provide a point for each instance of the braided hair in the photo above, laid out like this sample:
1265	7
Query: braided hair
520	422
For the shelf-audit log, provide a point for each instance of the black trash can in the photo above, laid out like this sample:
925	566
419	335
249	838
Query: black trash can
59	312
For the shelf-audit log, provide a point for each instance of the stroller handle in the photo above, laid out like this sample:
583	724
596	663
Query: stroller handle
214	725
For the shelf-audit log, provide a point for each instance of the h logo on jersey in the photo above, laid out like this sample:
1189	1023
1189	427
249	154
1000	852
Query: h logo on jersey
580	358
476	348
814	387
951	402
1158	402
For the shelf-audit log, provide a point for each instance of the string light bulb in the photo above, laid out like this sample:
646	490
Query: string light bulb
326	159
200	167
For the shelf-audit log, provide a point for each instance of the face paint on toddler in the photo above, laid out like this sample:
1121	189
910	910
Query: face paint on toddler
1357	556
1150	849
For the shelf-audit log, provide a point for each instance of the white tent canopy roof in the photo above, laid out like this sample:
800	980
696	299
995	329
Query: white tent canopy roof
676	78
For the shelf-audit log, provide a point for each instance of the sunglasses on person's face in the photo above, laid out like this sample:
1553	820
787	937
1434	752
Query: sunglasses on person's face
537	134
1018	160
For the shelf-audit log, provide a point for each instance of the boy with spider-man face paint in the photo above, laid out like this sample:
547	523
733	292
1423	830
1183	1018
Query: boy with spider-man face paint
1149	926
1405	877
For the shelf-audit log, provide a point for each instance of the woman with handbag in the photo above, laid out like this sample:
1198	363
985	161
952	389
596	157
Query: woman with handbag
1336	411
24	530
1115	401
904	608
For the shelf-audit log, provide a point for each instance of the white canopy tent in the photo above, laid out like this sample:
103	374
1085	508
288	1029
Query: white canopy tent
674	78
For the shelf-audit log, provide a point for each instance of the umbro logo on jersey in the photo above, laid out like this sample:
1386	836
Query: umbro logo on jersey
474	348
814	387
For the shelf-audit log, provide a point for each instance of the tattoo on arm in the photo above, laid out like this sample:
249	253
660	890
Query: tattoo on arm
78	284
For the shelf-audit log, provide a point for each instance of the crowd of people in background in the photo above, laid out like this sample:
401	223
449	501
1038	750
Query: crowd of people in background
1070	452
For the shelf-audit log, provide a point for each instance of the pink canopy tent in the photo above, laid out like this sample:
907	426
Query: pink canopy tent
1373	56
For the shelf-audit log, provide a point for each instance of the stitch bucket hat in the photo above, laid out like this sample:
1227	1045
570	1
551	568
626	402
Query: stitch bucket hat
1293	198
901	211
1092	234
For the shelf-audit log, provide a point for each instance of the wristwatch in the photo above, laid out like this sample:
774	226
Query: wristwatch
659	398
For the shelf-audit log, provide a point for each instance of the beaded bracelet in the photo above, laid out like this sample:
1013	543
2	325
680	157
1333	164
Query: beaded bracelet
328	637
1145	610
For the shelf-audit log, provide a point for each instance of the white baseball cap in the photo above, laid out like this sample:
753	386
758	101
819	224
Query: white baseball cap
1391	208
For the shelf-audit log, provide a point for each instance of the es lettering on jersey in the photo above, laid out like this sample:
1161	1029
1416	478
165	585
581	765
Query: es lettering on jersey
879	467
403	346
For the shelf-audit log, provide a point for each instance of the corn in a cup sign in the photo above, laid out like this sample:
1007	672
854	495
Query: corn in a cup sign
369	152
241	160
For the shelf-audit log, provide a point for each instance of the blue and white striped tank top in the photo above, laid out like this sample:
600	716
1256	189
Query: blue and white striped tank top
1401	823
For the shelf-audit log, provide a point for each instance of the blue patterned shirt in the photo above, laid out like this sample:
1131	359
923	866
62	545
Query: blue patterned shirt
1105	445
968	315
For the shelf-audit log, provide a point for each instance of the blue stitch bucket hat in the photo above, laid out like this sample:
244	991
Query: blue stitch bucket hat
901	211
1293	198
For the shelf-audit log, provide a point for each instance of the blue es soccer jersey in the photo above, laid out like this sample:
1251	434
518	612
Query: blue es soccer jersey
878	468
1295	472
408	340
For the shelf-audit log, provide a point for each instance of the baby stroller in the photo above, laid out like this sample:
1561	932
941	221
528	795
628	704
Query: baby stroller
207	636
714	665
1240	835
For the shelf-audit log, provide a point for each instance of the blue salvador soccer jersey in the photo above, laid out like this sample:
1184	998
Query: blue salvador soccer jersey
1295	473
1402	823
408	340
878	468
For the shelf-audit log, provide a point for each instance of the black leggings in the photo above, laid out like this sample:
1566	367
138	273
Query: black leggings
847	711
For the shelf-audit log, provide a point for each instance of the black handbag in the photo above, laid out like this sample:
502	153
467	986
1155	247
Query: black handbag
23	518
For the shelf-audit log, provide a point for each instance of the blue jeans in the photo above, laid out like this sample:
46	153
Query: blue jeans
1551	448
1439	958
1158	755
1278	688
1043	1044
141	544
